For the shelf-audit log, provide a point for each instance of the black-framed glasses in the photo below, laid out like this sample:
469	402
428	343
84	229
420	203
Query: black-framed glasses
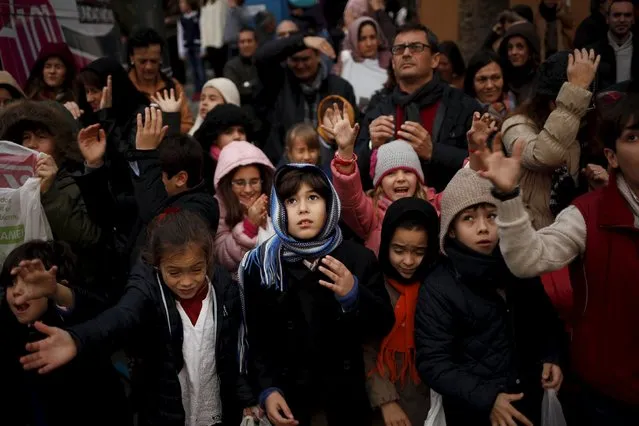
416	47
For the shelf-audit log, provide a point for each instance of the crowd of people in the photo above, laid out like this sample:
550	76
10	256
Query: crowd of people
354	221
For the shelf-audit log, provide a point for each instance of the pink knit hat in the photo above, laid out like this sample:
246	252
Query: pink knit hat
237	154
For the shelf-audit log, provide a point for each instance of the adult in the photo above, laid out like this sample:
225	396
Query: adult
241	70
548	124
295	79
52	74
145	55
376	9
519	52
451	64
554	24
595	26
365	59
619	58
212	24
505	20
9	89
237	17
485	82
422	109
286	28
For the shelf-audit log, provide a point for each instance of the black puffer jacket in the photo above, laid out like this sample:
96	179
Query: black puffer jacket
140	321
473	344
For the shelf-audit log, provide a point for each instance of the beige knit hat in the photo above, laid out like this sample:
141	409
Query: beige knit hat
464	190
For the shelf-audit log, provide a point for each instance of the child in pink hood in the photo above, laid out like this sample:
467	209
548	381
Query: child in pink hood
398	174
243	177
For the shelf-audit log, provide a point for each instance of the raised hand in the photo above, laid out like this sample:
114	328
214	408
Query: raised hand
150	133
92	143
503	412
35	279
482	128
107	94
50	353
74	109
257	212
343	280
47	170
502	171
340	127
320	44
382	129
597	176
582	67
277	410
167	101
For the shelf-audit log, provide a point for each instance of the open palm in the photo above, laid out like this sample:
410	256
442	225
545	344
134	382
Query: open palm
57	349
339	125
92	144
37	280
502	171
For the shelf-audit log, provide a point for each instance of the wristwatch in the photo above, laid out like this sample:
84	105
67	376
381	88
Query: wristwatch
505	196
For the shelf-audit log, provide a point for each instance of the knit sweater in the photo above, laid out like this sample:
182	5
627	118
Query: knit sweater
623	56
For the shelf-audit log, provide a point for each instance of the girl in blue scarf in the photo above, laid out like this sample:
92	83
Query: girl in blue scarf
311	301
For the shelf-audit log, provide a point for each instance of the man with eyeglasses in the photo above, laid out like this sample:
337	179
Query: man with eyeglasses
422	110
294	79
619	58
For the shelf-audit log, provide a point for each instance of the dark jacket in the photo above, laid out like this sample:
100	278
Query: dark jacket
591	29
85	391
243	73
147	322
607	71
450	148
303	343
280	97
152	199
473	343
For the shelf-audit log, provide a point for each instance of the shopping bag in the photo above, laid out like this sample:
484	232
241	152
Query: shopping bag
436	416
551	411
22	217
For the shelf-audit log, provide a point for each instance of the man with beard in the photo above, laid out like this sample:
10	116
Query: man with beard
619	59
422	110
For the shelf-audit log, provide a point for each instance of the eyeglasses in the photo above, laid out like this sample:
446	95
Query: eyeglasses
241	183
413	48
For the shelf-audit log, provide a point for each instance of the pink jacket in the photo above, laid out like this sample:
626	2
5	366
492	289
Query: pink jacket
230	245
357	207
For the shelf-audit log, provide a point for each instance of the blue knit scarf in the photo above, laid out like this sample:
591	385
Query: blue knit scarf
269	255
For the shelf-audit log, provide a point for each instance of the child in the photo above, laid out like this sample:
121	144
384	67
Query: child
409	247
398	174
327	138
312	300
217	91
488	342
85	391
167	174
302	145
242	179
179	317
189	44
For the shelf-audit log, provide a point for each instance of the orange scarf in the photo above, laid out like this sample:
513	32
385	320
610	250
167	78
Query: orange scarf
401	339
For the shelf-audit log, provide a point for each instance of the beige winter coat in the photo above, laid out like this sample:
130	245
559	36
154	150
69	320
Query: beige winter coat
414	399
548	149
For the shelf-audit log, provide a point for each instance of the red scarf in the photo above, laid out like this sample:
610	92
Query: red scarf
401	339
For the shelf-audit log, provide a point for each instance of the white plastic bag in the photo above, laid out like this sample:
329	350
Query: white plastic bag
250	421
551	411
436	416
22	217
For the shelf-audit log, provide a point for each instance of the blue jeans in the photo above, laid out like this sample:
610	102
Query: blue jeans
197	67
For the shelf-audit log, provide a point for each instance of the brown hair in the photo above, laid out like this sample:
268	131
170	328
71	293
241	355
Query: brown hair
305	132
290	182
234	210
174	230
537	109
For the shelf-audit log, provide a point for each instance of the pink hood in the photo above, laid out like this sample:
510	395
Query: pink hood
238	154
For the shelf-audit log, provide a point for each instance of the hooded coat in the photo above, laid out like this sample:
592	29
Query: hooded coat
521	79
9	83
414	398
36	89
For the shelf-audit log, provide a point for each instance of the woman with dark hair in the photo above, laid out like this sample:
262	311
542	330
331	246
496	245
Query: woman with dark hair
485	82
519	53
52	74
451	64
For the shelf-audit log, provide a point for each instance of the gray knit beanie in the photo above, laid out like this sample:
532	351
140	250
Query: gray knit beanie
464	190
394	155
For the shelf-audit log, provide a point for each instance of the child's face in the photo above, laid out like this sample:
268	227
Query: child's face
475	227
28	312
184	270
305	213
232	134
399	184
407	250
39	140
301	152
209	99
247	185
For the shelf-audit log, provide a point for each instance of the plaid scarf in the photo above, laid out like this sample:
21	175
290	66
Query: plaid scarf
269	255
